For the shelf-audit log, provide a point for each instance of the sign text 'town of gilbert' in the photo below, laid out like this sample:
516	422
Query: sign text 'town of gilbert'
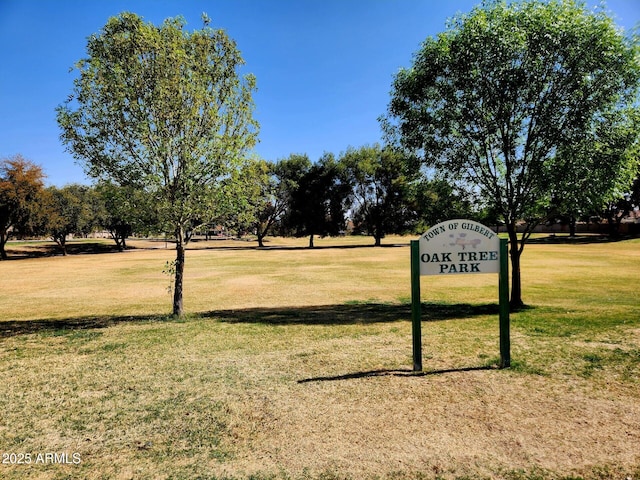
459	246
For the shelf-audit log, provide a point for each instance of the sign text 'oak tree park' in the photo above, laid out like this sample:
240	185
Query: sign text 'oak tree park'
459	246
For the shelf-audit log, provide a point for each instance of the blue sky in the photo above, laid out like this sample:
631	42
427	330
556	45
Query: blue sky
324	67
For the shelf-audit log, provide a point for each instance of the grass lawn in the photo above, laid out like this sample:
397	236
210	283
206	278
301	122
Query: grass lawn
296	364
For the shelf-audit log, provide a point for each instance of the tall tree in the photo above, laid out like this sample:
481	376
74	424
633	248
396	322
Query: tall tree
617	209
247	195
495	100
597	171
68	210
21	184
269	186
280	185
289	172
381	179
434	200
318	204
162	109
125	210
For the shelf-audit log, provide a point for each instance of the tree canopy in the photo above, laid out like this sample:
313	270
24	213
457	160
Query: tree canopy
72	209
319	198
164	110
21	185
382	180
512	101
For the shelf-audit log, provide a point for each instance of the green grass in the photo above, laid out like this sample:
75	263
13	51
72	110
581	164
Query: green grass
296	364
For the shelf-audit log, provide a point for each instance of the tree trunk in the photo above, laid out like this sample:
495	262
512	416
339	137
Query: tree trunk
62	241
572	226
178	309
260	238
3	241
311	241
116	238
377	234
516	283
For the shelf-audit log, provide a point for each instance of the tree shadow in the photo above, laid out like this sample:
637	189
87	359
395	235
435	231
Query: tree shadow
344	314
402	372
351	313
292	248
46	249
555	239
12	328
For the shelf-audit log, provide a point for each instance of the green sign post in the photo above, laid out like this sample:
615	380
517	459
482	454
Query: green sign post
459	247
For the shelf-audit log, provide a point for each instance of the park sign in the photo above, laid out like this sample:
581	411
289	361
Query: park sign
459	246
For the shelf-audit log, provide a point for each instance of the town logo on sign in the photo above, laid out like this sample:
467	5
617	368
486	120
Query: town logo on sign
459	246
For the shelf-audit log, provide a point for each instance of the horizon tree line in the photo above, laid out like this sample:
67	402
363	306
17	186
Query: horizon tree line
372	190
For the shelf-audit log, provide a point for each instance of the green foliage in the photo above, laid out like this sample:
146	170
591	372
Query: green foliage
288	173
616	209
436	200
598	170
319	200
381	179
21	186
170	271
126	210
248	196
73	209
162	110
257	196
516	100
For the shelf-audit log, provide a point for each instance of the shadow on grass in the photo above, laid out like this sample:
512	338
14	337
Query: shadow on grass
354	313
346	314
66	326
403	372
585	239
46	249
252	245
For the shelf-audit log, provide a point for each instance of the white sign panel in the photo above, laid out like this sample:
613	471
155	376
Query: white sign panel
459	246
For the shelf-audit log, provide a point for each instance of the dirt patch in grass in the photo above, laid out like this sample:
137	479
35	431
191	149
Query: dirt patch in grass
460	423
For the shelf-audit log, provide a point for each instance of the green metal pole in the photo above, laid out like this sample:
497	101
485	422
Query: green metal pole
416	307
505	340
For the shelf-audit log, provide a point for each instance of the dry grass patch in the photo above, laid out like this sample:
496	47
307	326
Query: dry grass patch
297	366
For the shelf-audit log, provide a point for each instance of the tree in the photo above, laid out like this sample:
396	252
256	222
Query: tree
93	209
21	184
163	110
434	200
282	180
247	197
617	209
289	172
269	186
381	179
125	210
596	172
497	99
68	210
318	203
